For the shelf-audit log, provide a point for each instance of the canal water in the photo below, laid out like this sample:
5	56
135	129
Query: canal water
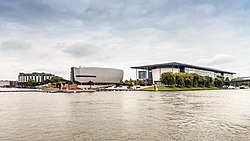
183	116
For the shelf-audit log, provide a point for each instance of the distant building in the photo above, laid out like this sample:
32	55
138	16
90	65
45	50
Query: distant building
8	84
37	77
153	72
96	75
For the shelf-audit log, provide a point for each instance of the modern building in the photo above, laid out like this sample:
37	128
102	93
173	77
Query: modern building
37	77
8	84
153	72
96	75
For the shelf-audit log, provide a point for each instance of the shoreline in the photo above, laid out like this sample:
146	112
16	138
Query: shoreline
149	89
167	88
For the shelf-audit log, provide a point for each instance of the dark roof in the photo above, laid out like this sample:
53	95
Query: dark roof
175	64
35	73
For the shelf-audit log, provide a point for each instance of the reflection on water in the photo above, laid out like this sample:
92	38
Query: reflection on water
199	115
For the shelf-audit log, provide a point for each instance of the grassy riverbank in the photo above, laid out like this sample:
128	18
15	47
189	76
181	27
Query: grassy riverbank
165	88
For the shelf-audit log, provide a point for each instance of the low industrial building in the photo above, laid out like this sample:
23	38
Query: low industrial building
95	75
64	86
152	73
7	84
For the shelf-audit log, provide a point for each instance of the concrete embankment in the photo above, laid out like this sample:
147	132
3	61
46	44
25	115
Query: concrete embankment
20	90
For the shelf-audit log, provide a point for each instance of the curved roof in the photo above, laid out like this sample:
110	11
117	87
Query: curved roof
176	64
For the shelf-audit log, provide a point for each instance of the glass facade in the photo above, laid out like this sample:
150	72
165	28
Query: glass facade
150	77
202	72
142	74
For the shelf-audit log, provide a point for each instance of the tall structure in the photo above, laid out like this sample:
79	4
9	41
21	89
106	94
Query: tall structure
154	71
96	75
37	77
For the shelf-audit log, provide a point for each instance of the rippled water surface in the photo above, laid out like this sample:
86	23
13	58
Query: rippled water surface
199	115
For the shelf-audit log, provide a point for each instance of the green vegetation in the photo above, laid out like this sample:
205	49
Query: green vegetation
56	79
172	88
32	83
190	80
131	82
241	83
168	78
187	82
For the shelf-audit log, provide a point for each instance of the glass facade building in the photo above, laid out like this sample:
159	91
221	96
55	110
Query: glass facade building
154	71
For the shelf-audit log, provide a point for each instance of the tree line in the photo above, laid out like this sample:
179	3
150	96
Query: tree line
54	79
238	84
190	80
132	82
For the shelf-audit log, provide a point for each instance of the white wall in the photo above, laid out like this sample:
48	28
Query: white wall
103	75
156	73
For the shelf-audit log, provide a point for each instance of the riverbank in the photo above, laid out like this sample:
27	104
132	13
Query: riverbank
18	90
166	88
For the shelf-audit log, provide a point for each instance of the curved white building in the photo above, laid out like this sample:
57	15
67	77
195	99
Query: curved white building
96	75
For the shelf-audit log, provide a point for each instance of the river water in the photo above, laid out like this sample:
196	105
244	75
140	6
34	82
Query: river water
186	116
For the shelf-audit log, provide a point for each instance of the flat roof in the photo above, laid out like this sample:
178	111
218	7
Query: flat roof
176	64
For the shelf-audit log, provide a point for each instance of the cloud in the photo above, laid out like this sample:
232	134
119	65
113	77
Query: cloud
218	59
79	49
13	45
122	33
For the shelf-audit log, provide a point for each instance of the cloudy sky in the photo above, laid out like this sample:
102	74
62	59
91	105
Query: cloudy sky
54	35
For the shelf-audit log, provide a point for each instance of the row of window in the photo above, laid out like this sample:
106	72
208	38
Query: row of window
35	78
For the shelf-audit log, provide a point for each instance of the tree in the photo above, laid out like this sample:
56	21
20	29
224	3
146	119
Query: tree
31	83
179	79
188	81
208	81
195	78
201	81
168	78
56	79
131	81
90	83
218	82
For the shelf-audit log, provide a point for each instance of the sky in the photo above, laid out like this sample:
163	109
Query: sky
54	35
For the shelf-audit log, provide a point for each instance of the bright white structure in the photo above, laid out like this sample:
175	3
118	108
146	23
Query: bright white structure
96	75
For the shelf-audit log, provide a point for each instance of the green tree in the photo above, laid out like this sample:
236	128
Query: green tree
168	78
188	81
56	79
219	82
201	81
180	79
131	81
195	78
208	81
31	83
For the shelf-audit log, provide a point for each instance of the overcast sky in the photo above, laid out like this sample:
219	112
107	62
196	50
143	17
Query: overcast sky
54	35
